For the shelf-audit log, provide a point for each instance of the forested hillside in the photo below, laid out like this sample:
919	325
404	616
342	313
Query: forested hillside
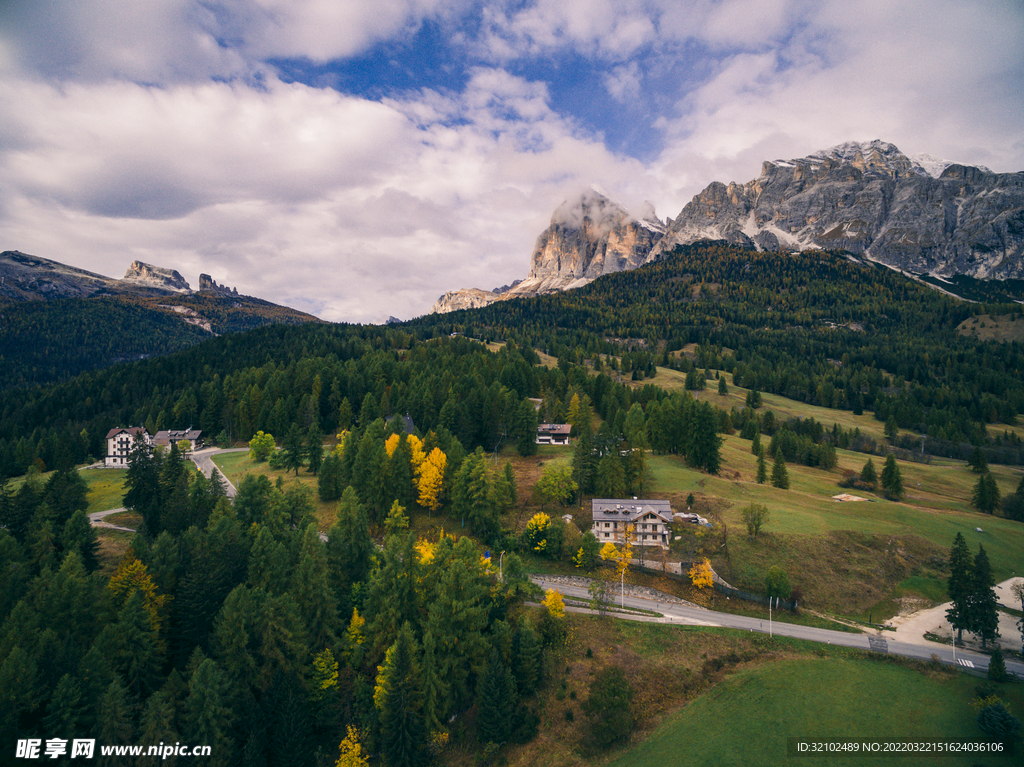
46	341
815	327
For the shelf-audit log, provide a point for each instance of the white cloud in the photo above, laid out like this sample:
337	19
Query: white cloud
358	209
623	82
350	208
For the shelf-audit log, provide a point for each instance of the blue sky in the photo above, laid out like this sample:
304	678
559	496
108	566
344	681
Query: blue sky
357	159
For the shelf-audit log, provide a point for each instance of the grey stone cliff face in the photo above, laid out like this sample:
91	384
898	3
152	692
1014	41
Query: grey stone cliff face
589	235
870	199
207	283
150	276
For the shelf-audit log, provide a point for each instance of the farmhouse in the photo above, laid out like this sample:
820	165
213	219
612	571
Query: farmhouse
119	445
553	433
651	520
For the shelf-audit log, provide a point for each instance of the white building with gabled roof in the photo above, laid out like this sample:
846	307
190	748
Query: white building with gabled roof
120	442
651	521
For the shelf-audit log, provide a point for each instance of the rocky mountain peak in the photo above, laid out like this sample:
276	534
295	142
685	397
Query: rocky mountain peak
207	283
147	275
921	214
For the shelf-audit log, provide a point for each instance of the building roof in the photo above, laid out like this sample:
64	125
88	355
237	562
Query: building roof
133	430
629	509
167	436
555	428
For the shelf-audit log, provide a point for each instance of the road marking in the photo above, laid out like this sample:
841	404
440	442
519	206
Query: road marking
963	662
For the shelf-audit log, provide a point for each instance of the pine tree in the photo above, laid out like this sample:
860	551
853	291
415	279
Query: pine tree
208	716
986	497
526	658
780	477
868	475
66	711
294	452
997	666
982	602
892	481
496	702
349	549
762	468
611	477
115	715
80	536
978	463
314	448
398	697
311	590
959	586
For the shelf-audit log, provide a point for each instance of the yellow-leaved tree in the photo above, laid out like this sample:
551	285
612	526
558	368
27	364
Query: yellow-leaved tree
391	444
350	752
431	479
553	601
131	576
700	574
416	454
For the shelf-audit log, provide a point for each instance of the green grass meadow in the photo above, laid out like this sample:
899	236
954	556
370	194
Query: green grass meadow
748	718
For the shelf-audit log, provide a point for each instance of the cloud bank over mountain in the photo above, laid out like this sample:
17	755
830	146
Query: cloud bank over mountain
356	161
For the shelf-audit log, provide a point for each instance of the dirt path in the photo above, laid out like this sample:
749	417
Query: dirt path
912	627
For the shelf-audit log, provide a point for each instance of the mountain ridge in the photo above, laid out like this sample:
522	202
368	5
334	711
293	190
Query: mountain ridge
917	213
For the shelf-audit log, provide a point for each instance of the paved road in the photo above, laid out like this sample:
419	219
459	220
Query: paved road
204	460
697	616
96	519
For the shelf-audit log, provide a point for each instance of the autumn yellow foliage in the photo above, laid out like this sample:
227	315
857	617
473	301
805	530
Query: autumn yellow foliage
700	574
431	479
553	601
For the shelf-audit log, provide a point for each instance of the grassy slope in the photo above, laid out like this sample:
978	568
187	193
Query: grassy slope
747	719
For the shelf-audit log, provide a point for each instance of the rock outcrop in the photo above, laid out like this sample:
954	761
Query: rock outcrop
914	213
465	298
207	283
149	276
589	235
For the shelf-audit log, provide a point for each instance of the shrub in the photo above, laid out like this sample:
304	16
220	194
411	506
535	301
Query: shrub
608	709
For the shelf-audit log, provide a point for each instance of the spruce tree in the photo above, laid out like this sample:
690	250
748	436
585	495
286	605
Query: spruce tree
983	603
868	475
892	481
208	716
399	701
762	468
780	477
978	462
526	658
496	702
959	586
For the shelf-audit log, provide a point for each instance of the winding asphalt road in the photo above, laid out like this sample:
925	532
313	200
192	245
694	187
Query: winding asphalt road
673	613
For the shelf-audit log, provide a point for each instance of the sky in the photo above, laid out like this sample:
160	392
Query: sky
356	159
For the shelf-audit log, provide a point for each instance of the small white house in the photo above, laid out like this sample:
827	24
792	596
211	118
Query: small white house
553	433
651	520
120	442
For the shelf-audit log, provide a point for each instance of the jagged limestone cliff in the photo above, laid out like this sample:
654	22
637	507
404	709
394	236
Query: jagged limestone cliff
589	235
914	213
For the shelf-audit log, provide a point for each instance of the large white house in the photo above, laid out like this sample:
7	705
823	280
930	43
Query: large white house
120	442
651	520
